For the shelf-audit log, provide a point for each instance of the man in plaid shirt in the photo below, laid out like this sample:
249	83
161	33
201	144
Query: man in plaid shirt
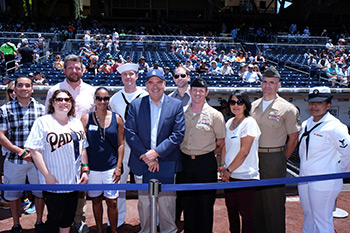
16	120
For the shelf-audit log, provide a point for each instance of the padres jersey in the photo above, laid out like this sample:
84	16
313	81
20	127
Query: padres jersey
60	146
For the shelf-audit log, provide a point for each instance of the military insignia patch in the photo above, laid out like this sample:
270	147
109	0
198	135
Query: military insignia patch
273	115
204	119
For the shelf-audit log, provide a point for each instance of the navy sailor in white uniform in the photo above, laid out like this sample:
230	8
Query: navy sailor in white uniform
324	149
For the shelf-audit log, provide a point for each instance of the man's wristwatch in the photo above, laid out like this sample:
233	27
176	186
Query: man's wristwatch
228	170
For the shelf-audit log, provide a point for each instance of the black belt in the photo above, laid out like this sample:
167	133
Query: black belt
202	156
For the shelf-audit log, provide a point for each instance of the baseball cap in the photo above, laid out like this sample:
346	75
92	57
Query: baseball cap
199	82
127	66
155	73
319	94
271	73
250	66
242	65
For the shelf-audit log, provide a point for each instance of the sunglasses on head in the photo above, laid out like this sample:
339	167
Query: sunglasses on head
62	99
176	76
238	102
99	98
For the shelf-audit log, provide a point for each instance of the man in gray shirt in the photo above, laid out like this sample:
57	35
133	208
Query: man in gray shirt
181	79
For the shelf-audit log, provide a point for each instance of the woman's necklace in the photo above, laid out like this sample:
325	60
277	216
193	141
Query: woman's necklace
234	126
102	130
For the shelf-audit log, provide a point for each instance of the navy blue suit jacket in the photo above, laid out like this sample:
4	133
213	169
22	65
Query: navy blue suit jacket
171	130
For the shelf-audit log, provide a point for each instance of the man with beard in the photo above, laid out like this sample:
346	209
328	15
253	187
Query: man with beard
181	79
83	95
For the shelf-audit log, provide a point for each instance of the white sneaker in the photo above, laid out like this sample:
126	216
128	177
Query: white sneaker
82	227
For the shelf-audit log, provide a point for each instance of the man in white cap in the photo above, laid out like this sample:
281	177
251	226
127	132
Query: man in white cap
120	104
214	69
250	75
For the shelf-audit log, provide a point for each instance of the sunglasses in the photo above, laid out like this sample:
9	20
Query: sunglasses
238	102
10	91
99	98
62	99
176	76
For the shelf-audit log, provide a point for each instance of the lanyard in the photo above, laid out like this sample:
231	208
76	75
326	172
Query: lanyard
76	144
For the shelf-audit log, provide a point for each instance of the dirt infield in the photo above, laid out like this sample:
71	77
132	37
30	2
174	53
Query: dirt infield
293	224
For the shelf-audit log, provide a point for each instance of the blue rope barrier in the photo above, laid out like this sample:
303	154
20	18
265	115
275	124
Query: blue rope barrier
173	187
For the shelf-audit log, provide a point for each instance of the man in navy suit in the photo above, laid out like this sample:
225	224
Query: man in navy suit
154	130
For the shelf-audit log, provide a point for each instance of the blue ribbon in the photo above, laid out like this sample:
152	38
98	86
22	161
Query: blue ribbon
173	187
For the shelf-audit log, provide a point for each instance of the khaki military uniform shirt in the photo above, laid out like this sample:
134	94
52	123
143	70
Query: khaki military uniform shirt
202	130
278	120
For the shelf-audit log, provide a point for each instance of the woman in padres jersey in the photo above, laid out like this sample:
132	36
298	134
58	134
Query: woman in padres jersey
323	149
57	145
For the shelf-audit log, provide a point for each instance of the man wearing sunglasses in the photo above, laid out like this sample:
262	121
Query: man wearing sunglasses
181	78
119	103
83	95
277	119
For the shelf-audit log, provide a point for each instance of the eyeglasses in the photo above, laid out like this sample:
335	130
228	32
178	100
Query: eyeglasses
176	76
238	102
99	98
67	100
10	91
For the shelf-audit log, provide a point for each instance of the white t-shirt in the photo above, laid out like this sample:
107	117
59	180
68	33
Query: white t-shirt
265	104
250	77
55	142
249	169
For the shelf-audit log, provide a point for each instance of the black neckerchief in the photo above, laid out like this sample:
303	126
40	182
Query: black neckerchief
306	134
127	104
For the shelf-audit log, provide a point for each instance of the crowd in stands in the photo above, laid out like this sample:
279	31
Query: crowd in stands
333	61
202	51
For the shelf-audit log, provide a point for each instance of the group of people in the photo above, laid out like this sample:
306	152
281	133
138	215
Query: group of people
333	61
82	135
28	53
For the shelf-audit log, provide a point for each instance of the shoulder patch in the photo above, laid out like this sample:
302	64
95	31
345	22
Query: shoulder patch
342	143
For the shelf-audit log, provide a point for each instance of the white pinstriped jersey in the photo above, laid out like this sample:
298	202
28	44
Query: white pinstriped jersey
55	142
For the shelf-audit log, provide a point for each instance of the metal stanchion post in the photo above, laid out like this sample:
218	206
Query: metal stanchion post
153	190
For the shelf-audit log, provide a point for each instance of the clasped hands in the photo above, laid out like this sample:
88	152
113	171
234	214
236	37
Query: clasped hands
150	158
225	175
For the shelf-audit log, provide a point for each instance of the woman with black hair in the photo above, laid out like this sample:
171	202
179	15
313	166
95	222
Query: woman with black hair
239	162
105	134
323	149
